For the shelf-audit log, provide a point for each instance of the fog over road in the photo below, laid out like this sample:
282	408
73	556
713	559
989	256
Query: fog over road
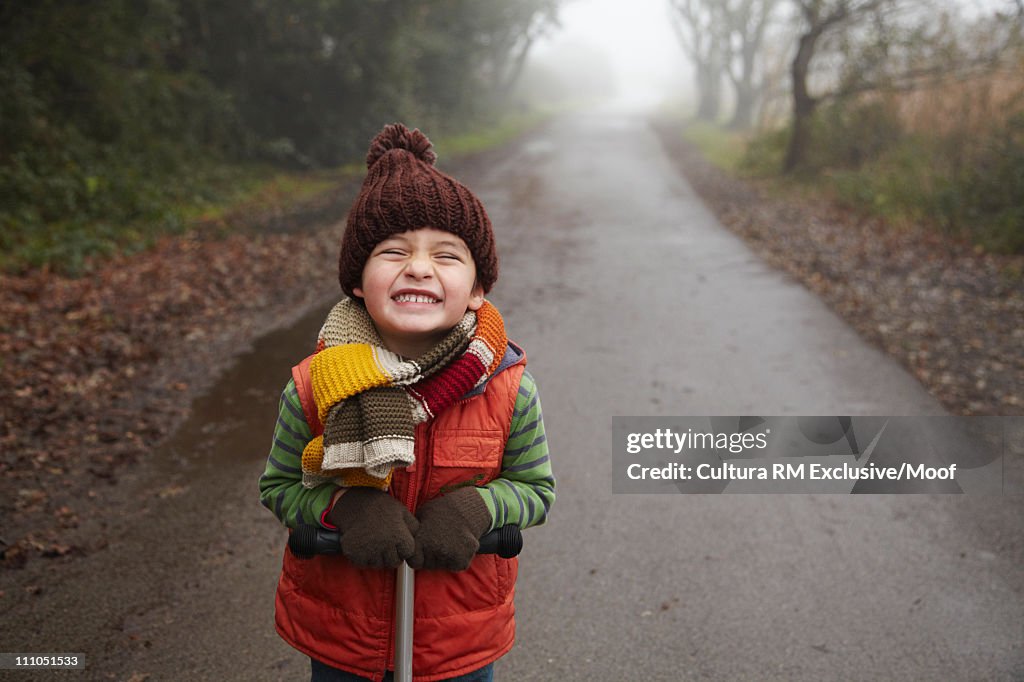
630	299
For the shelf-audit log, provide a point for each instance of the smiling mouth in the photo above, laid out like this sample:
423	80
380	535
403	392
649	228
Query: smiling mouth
415	298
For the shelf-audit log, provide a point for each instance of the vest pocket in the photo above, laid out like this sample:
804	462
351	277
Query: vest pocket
475	448
463	457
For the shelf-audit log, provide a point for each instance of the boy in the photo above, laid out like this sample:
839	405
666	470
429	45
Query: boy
414	430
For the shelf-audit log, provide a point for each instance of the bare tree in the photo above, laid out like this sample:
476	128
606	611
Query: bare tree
724	38
745	24
887	46
517	25
819	18
699	29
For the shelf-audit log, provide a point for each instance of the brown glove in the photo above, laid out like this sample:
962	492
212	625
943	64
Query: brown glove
450	530
376	529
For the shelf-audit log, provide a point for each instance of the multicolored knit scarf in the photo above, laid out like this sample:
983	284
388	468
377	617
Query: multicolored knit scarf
370	399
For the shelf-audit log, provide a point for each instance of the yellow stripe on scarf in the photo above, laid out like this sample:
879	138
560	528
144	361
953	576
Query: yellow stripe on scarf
313	459
313	456
339	372
358	478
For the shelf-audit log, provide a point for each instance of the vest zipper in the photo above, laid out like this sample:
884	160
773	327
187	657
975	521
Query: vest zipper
415	481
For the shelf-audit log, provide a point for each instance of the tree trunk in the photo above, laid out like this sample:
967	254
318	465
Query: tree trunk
518	64
803	103
709	91
746	102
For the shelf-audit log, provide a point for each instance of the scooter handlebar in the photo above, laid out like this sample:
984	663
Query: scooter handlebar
307	541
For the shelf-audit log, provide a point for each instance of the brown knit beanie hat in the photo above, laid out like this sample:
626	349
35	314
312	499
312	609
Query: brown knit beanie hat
403	191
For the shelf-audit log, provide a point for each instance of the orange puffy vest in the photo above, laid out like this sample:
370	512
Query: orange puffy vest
344	616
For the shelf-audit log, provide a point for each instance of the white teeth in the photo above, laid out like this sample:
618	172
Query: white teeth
415	298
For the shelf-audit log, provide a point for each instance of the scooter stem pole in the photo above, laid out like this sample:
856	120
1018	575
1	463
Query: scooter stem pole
404	597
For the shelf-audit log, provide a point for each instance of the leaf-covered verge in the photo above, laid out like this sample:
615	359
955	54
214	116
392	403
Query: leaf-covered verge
96	370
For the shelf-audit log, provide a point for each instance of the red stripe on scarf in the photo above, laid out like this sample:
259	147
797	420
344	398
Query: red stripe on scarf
444	389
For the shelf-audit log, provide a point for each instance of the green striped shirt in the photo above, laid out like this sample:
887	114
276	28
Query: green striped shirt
522	494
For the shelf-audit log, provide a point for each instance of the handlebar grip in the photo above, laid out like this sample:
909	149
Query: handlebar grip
506	542
307	541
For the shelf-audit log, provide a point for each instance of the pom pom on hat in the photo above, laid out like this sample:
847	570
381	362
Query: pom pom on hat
397	136
404	191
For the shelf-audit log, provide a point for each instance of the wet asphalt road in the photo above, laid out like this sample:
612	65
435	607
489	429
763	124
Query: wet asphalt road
630	299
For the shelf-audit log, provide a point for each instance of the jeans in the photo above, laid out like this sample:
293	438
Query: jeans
325	673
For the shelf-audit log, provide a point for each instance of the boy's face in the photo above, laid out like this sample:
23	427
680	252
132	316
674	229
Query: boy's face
417	285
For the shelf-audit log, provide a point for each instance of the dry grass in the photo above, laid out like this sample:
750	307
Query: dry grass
962	106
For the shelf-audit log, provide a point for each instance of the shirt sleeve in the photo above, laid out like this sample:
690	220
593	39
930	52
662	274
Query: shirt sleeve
281	489
525	490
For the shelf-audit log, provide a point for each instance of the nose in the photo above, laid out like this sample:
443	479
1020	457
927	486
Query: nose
419	266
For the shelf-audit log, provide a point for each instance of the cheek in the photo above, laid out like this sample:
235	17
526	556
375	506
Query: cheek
463	295
375	283
464	282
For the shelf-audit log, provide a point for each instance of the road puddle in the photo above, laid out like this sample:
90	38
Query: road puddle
233	422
